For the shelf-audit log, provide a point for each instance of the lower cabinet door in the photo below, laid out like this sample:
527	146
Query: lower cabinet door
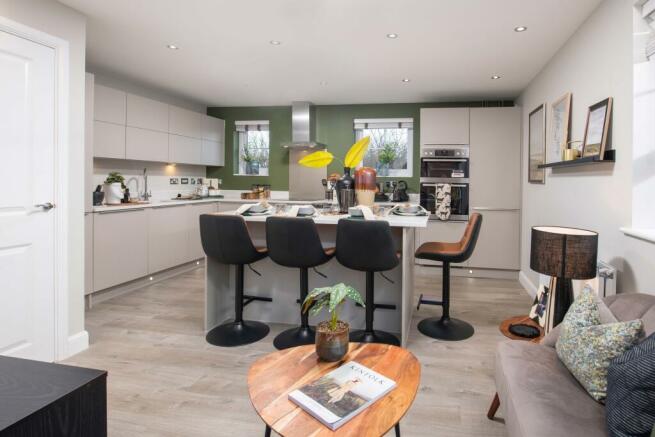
438	231
498	243
167	237
120	247
194	212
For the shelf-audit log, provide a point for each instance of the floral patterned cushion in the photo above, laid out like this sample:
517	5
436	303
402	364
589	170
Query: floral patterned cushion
586	347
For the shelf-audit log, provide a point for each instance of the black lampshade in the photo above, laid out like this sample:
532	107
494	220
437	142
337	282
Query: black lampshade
564	252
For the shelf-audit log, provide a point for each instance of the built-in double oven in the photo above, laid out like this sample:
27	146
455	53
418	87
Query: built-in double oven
446	165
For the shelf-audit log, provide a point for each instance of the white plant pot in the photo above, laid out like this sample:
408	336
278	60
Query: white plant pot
113	193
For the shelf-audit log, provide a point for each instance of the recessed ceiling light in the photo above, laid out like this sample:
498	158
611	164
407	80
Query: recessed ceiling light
323	82
392	35
405	79
520	29
275	42
172	46
495	77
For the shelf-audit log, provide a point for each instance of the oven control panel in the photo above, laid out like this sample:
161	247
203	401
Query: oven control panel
450	152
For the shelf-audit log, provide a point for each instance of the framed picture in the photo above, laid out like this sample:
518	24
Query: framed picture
596	131
537	145
560	121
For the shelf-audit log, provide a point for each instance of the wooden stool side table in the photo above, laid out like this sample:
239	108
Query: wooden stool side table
274	376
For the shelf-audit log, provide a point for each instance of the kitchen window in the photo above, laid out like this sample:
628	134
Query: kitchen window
390	152
252	143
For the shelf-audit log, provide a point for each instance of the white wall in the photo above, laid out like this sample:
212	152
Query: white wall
61	21
594	64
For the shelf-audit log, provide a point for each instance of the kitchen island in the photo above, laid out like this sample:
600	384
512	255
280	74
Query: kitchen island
282	283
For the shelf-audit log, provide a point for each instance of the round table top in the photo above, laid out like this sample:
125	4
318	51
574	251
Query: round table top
274	376
505	324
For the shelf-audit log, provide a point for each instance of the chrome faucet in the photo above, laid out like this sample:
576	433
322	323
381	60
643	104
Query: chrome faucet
146	193
136	181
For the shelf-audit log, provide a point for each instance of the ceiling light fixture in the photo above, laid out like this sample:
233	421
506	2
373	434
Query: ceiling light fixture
520	29
323	82
405	79
495	77
392	35
275	42
172	46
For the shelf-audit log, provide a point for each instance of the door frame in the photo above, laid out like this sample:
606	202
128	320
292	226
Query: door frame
61	183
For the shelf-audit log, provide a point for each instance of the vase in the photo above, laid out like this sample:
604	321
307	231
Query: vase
252	168
346	191
113	193
332	345
365	185
384	170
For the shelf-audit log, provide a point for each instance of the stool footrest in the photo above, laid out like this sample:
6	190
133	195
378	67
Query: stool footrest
380	306
422	301
247	299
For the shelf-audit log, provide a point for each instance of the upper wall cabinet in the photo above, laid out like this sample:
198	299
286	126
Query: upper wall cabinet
186	123
146	113
213	129
108	140
109	105
442	126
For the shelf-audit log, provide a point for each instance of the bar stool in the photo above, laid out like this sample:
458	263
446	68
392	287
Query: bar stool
294	242
368	246
225	238
445	327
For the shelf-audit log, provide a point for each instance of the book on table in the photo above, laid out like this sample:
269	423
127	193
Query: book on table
340	395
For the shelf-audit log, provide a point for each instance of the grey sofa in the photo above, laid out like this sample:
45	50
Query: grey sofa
539	396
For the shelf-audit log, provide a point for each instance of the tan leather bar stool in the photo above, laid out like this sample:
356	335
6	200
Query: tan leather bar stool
444	327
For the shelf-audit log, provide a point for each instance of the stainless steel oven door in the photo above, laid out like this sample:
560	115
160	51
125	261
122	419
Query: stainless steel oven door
459	200
444	168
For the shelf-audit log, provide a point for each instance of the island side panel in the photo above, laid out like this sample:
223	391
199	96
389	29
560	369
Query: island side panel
408	283
219	293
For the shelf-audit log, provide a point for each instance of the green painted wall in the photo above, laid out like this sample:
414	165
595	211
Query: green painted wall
334	127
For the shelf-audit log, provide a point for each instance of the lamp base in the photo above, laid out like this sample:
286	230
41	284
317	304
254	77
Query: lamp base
563	299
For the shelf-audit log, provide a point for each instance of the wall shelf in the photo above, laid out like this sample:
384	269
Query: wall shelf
610	156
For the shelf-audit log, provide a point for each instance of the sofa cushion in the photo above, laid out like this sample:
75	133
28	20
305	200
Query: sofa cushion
630	405
540	397
634	306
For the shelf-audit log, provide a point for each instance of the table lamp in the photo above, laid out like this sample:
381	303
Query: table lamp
565	254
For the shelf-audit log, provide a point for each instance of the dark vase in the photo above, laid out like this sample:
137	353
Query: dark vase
332	345
346	191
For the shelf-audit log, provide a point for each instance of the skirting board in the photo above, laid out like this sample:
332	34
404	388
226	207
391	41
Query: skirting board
76	344
527	284
466	272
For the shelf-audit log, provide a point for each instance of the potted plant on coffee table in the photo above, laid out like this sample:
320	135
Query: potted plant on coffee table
331	335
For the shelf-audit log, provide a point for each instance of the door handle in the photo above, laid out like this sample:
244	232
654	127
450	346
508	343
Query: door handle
45	206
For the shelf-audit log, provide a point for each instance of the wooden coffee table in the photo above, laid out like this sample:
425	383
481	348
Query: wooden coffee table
273	377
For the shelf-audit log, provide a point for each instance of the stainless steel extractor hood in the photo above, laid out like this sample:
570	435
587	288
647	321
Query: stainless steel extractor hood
304	182
303	126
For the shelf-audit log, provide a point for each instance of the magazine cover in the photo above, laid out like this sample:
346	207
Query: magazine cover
342	394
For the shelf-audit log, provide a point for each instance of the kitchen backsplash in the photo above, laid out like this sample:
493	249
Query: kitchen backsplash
159	176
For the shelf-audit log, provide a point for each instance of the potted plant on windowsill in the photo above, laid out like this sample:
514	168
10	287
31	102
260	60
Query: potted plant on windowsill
114	185
252	166
386	157
331	335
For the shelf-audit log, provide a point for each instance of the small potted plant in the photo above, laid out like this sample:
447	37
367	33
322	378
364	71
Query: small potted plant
331	335
114	185
386	157
252	166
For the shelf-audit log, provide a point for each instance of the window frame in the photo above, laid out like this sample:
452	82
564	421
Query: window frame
360	125
241	130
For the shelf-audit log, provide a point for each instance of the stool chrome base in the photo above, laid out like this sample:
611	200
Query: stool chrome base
237	333
295	337
445	328
362	336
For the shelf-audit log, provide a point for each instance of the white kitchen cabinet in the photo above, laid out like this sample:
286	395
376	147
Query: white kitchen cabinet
227	206
495	158
443	126
120	247
146	145
167	237
438	231
108	140
109	104
88	253
213	153
498	243
184	150
89	81
184	122
194	247
213	129
147	113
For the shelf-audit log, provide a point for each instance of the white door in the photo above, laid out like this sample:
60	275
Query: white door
27	160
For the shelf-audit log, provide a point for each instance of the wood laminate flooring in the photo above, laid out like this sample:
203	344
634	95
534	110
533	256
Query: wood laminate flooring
165	380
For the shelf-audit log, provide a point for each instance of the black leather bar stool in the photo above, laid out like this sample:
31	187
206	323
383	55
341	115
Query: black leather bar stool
226	239
368	246
294	242
445	327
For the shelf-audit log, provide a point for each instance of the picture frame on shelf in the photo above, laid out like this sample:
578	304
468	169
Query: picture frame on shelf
597	128
560	125
537	145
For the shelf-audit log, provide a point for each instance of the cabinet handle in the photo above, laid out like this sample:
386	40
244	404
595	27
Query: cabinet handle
116	211
489	208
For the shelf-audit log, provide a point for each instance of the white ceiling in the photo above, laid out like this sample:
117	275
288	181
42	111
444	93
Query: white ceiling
448	48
